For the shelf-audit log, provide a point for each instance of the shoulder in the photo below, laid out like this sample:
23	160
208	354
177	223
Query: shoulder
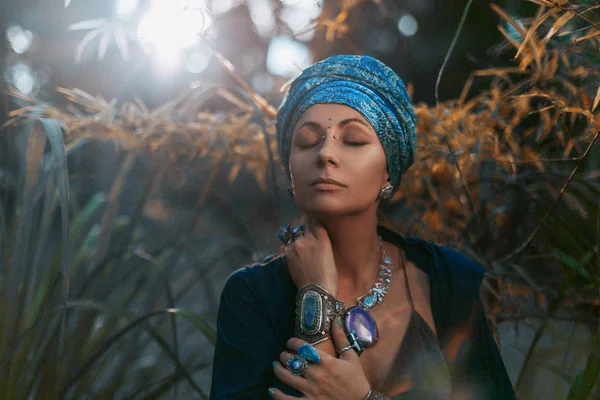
252	279
441	263
458	266
263	290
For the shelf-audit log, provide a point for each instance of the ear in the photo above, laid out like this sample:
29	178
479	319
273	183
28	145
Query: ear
386	174
388	179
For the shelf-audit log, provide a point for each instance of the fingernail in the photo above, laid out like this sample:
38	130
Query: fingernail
274	363
271	392
340	322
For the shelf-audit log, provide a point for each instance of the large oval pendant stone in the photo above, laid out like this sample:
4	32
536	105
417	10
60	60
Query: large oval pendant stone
360	321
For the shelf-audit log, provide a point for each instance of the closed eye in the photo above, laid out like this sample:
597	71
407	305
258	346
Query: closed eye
356	144
307	145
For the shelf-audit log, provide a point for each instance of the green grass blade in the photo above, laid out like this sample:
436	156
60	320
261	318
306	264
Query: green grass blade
35	150
157	390
109	215
585	379
199	322
85	219
133	322
50	202
576	265
53	129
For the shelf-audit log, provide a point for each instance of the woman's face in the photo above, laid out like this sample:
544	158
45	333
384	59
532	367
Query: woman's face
354	159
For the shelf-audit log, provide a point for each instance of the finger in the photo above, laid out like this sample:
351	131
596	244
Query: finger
295	344
340	340
280	370
279	395
284	356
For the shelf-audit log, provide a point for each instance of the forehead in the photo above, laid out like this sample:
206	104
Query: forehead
338	112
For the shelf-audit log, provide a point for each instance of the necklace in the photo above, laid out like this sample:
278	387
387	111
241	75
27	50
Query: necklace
358	318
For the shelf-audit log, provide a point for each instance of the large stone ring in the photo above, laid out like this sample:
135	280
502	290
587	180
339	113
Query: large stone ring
285	234
297	232
309	353
355	344
297	365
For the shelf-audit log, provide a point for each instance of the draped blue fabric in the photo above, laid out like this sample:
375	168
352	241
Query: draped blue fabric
256	318
368	86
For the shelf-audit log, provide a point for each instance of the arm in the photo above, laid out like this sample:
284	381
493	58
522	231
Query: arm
485	364
246	345
480	371
476	366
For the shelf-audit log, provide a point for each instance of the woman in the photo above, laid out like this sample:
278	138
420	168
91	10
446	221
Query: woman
351	310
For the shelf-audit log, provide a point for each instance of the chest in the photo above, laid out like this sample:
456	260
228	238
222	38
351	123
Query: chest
380	362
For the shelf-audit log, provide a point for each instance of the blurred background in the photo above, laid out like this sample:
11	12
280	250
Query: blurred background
120	223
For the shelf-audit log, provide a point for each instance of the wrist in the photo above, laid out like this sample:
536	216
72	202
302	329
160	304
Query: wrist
316	308
329	287
374	395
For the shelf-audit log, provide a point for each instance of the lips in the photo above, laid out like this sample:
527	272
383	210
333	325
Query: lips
326	182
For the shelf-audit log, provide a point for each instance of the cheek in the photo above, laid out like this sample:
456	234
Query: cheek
295	166
368	171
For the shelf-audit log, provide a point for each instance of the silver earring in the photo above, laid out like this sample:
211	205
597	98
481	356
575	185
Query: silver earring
291	191
386	192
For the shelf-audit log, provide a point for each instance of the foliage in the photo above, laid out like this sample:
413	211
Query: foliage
65	321
509	175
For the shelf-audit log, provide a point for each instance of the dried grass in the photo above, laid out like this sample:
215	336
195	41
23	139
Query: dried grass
545	104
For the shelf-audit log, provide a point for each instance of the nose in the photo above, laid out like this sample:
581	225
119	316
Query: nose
327	154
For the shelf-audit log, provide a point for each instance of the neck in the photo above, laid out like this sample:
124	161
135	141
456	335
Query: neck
356	252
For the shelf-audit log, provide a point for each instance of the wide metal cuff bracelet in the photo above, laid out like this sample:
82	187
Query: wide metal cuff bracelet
373	395
315	309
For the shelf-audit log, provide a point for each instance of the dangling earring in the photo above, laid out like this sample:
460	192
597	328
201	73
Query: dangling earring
291	191
386	192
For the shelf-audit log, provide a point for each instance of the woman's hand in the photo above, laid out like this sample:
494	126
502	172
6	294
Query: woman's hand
310	258
333	378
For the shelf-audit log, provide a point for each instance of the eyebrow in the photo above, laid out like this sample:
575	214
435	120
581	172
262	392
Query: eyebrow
341	124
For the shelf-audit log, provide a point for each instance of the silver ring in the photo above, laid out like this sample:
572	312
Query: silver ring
355	344
343	349
297	232
297	365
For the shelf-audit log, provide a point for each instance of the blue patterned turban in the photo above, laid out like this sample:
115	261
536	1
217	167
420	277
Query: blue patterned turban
368	86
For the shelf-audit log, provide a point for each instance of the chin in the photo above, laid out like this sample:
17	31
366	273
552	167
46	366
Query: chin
331	207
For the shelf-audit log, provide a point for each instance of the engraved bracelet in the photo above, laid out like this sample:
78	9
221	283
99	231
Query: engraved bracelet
373	395
315	309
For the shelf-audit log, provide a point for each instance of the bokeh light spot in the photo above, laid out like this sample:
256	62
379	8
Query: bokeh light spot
262	82
222	6
198	60
170	27
21	78
261	13
299	15
287	57
407	25
126	8
19	39
382	41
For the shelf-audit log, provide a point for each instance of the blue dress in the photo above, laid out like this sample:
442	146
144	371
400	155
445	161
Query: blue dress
256	318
